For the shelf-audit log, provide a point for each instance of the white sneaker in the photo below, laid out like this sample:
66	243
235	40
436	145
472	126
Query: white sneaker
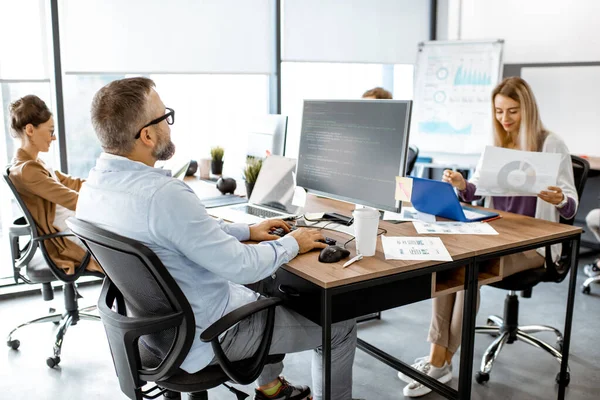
592	270
419	364
442	374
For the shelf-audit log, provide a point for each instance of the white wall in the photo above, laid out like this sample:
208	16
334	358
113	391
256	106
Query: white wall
536	30
548	31
568	102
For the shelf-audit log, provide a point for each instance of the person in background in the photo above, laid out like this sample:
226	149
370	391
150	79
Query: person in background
378	93
592	221
50	196
517	125
125	194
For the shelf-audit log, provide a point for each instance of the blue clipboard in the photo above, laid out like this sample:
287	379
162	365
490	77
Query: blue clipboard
438	198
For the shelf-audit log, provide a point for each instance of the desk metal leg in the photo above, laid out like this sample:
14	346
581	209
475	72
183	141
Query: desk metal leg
468	331
563	377
326	345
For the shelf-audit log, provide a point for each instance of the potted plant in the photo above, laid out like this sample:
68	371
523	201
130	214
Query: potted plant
251	171
216	165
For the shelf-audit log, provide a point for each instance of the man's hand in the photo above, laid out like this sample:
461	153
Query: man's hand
307	239
262	231
554	195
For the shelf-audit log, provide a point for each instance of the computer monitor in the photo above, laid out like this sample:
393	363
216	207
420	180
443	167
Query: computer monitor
266	133
352	150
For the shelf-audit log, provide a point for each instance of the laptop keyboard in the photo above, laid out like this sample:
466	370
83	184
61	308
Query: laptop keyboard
259	212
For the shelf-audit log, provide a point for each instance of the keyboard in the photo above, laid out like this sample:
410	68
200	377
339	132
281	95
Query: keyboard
259	212
281	233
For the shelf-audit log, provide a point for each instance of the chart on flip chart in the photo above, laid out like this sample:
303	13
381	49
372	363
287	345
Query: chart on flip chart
452	103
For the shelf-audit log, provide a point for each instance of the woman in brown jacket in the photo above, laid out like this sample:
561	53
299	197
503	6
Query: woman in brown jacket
50	196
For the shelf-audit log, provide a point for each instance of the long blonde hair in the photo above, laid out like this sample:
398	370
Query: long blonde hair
531	132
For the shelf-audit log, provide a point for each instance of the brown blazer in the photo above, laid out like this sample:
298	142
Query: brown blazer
41	192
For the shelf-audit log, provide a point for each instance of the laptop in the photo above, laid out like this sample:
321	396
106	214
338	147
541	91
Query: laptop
180	173
438	198
271	197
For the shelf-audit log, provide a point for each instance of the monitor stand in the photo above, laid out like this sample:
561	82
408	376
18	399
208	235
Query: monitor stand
338	218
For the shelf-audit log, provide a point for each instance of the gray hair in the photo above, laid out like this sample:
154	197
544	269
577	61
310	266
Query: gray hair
119	110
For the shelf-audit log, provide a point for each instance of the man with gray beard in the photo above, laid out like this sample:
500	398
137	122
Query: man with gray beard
126	195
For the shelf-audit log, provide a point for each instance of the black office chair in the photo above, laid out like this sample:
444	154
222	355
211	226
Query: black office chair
507	329
586	288
413	154
150	324
32	264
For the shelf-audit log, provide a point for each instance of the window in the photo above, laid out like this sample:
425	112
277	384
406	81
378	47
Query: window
210	110
11	91
83	147
307	80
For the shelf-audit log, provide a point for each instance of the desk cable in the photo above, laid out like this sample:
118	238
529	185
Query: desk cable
381	231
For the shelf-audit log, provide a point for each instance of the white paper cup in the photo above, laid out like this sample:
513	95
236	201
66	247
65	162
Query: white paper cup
366	221
204	168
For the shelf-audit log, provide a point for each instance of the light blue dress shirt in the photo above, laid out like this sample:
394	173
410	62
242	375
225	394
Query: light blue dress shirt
204	255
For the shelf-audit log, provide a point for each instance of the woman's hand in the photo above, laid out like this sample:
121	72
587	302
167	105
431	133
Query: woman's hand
455	179
554	195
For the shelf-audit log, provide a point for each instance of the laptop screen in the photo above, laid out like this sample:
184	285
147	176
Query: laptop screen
274	187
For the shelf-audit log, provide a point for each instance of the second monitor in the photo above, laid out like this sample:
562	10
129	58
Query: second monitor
352	150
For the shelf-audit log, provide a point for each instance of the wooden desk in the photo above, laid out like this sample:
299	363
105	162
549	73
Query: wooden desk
328	293
594	163
209	189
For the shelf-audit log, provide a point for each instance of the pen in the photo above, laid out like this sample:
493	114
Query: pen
492	219
352	260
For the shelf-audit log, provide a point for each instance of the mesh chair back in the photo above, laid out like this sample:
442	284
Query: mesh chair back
144	292
37	241
413	153
581	169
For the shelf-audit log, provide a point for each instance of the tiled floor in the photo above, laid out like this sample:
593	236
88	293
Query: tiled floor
521	372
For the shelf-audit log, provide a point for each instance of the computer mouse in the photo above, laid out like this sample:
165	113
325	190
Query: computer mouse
331	254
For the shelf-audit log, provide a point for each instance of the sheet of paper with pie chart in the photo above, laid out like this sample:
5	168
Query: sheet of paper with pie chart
507	172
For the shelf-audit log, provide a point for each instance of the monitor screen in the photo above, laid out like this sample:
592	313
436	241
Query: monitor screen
352	150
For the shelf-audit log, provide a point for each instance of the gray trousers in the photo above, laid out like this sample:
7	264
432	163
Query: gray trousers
293	333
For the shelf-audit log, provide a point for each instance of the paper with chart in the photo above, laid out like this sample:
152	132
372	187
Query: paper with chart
414	248
507	172
454	228
452	104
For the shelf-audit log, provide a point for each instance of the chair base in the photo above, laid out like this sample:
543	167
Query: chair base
69	318
507	330
586	289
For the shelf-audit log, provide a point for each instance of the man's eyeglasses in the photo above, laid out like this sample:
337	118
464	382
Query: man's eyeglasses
169	116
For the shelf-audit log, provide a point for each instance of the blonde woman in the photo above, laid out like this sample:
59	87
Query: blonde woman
517	125
50	196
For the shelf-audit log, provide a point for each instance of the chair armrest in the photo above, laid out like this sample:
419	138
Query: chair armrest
253	365
557	272
53	235
227	321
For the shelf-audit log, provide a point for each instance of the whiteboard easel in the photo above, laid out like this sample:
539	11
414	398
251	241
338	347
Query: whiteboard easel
452	102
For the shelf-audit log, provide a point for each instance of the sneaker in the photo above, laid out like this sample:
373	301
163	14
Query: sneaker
286	392
419	364
592	270
417	389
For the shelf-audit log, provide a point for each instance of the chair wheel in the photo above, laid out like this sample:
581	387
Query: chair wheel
52	361
13	344
586	290
567	379
482	377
